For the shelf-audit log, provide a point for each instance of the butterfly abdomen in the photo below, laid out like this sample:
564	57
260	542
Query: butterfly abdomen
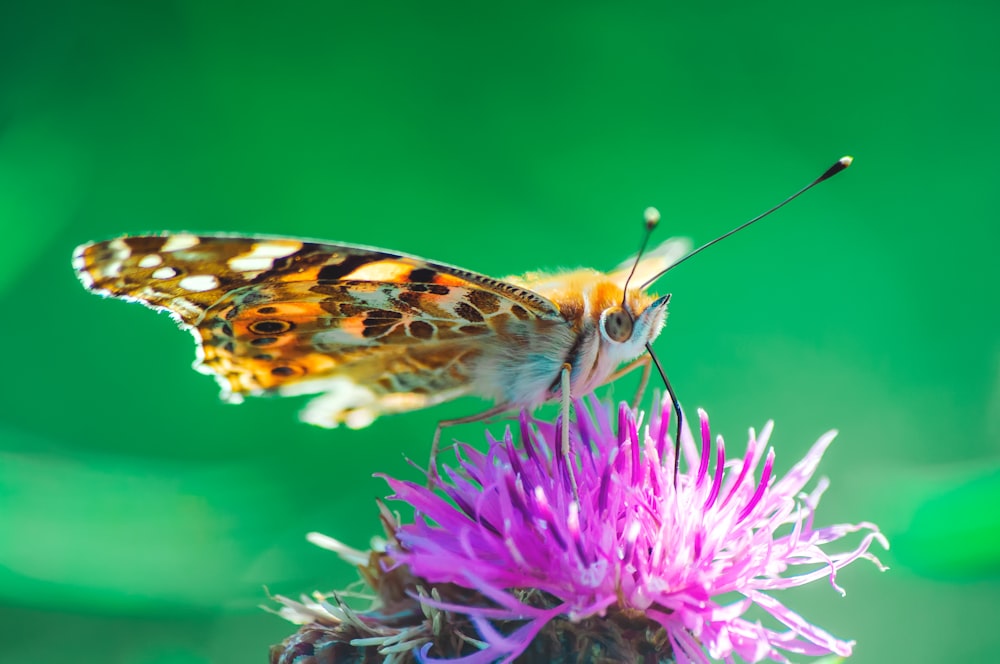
518	370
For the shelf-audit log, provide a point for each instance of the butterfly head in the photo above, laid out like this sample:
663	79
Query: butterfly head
627	326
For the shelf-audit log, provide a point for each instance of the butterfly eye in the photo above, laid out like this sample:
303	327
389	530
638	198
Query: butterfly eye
616	324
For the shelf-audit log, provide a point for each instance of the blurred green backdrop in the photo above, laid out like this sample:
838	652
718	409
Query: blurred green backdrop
140	517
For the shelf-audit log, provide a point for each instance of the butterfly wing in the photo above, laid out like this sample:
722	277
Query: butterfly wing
374	331
652	263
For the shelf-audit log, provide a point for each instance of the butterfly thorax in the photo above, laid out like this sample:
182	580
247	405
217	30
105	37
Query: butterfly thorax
582	296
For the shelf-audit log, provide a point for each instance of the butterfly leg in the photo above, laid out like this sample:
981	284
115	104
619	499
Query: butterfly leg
432	474
647	367
566	402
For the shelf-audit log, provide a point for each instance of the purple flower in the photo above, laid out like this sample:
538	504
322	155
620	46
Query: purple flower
679	566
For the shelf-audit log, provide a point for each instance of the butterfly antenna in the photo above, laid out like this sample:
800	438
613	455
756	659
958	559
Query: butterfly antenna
652	218
837	167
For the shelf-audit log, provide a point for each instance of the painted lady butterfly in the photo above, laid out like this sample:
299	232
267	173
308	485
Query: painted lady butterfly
376	331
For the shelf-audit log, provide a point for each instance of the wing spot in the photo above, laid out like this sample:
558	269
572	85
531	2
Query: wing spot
382	271
422	274
520	312
469	312
421	329
262	255
269	327
120	246
199	282
145	244
488	303
376	330
411	299
152	260
433	289
338	270
241	264
285	371
263	341
180	242
164	273
275	248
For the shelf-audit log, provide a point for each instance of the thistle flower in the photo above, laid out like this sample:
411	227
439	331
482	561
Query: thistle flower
633	567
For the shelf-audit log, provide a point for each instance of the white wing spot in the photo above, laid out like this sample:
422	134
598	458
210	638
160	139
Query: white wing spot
261	256
152	260
239	264
275	249
164	273
179	242
199	282
120	247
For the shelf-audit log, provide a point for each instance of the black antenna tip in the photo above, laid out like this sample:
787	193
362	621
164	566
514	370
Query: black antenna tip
841	164
652	217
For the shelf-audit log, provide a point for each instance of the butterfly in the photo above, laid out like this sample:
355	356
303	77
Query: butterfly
373	331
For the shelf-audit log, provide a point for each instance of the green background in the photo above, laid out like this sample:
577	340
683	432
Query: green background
140	517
